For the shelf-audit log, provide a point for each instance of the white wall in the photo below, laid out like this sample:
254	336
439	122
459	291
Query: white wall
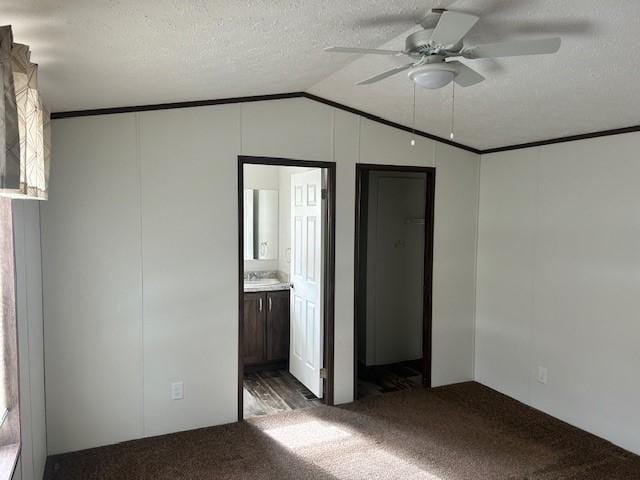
140	259
26	227
92	279
559	281
189	258
454	264
284	225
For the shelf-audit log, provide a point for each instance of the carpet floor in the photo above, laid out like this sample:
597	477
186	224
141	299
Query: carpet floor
458	432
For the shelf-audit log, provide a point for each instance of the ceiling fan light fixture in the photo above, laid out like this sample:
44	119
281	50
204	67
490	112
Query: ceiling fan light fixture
433	76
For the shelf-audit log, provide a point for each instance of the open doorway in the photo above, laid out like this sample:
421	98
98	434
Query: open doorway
393	278
286	289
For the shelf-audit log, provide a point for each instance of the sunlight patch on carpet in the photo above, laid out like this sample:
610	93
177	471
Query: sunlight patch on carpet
343	455
373	463
306	434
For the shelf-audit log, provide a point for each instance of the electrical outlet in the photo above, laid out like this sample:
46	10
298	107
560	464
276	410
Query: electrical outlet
177	391
543	375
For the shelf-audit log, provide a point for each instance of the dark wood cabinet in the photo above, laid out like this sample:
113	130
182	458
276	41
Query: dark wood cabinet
277	326
265	327
253	329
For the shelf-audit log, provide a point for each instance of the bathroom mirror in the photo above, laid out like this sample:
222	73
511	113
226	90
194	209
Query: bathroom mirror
260	224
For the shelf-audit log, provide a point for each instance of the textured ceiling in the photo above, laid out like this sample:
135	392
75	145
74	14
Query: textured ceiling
591	84
132	52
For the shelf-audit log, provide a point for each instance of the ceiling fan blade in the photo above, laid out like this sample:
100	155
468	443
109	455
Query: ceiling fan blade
383	75
513	49
452	28
408	18
429	21
362	51
390	19
466	76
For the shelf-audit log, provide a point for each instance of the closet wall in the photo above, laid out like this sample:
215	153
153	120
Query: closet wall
140	258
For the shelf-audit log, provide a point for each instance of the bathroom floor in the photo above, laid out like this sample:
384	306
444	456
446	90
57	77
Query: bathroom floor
388	378
272	391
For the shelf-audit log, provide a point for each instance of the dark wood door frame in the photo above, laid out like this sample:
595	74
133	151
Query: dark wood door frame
329	265
361	212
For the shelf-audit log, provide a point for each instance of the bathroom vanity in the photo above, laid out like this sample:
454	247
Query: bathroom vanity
265	329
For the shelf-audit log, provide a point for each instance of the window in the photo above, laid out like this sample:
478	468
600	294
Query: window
10	428
7	310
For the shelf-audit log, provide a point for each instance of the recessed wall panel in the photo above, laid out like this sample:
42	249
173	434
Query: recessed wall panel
92	284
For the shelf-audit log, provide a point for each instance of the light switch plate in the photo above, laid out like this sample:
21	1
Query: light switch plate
177	391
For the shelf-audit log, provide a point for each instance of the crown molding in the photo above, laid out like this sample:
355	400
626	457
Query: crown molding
256	98
389	123
570	138
172	105
340	106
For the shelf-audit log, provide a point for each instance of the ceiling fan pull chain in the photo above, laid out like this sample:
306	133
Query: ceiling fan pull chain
453	109
413	140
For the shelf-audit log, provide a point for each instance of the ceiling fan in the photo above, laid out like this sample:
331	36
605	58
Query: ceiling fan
431	48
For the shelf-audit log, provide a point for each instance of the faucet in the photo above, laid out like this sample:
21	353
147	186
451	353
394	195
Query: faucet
252	276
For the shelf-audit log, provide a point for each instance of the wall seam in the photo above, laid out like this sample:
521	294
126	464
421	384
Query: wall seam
434	147
28	325
44	353
333	134
17	216
475	268
434	267
142	319
534	277
239	364
359	160
240	129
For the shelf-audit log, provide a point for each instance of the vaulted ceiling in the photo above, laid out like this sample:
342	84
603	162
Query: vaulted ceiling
133	52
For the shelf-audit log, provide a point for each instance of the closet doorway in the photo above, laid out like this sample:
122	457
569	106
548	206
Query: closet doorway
286	239
393	278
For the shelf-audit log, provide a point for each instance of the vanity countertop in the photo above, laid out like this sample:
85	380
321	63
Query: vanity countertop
249	288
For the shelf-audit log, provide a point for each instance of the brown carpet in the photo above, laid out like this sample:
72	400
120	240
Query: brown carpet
458	432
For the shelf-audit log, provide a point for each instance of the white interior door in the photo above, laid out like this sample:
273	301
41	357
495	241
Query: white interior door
306	345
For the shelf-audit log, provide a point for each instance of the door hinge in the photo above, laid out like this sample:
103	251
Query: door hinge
323	373
324	194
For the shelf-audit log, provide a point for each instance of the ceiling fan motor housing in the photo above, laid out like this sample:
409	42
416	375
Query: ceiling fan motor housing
419	44
418	41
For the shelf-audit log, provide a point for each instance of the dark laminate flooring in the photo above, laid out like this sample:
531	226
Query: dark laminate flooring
272	391
381	379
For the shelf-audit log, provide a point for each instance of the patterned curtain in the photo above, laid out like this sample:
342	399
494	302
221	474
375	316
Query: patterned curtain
32	120
9	134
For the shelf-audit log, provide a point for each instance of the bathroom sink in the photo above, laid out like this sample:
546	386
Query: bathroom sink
260	282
